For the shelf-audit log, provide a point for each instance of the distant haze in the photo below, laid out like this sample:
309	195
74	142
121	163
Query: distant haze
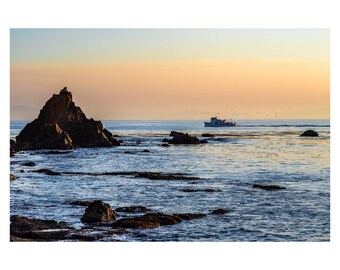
173	73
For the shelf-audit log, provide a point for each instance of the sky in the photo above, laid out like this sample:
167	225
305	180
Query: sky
170	74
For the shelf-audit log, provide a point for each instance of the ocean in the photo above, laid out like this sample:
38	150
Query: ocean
254	152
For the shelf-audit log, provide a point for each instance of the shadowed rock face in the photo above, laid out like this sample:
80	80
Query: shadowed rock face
98	211
63	125
183	138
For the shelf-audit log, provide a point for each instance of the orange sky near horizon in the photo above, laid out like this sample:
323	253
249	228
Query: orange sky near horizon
171	74
257	89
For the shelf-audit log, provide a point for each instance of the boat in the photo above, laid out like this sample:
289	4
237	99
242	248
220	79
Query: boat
215	122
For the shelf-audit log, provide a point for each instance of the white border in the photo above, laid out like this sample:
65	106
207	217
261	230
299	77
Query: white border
160	14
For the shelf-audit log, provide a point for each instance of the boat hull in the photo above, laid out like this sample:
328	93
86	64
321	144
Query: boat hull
207	124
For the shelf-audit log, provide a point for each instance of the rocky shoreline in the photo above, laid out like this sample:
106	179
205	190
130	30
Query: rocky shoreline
101	223
61	127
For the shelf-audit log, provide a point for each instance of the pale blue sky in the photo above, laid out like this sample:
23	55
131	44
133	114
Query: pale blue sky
107	46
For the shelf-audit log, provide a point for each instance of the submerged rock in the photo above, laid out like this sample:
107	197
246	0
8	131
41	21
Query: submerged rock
54	152
220	211
268	187
29	164
164	219
188	216
98	211
207	135
153	220
309	133
164	176
47	171
136	223
81	203
133	209
200	190
63	125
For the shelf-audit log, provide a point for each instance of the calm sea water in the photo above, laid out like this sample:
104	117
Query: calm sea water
256	151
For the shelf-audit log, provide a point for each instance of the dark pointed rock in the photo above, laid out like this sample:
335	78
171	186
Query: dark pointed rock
63	125
309	133
98	211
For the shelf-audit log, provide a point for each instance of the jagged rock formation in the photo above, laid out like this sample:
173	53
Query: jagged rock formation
63	125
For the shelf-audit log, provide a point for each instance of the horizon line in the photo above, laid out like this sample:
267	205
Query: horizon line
241	119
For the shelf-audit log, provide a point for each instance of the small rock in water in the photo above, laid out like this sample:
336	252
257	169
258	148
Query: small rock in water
81	203
183	138
309	133
98	211
268	187
200	190
164	176
12	177
188	216
207	135
29	164
47	171
220	211
56	152
165	145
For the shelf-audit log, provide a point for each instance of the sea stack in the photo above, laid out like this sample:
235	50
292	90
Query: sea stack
63	125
